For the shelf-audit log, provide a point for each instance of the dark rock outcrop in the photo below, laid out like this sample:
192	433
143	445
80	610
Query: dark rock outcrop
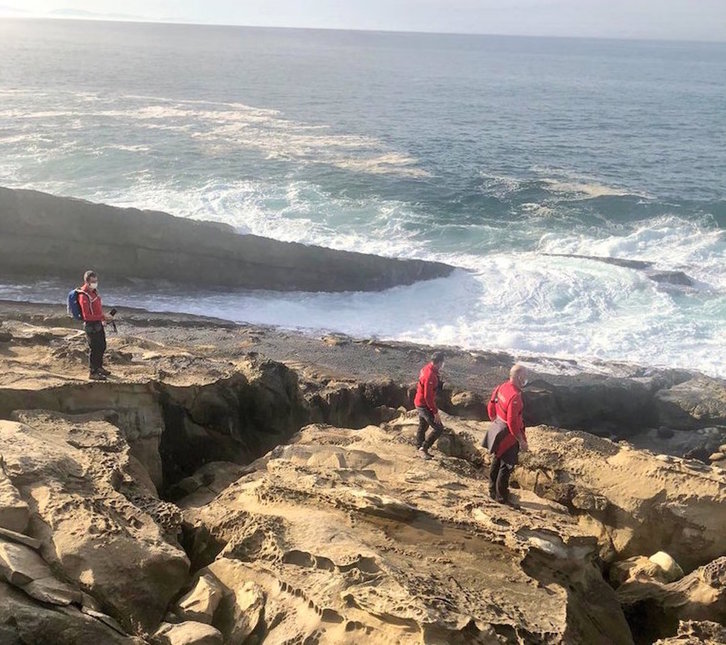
44	235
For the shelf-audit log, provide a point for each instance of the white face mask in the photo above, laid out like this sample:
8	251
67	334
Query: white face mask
93	285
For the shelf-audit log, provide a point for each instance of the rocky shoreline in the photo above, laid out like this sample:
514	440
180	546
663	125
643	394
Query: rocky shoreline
239	484
47	236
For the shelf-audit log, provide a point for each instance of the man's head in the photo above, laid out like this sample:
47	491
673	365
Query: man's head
518	375
438	359
91	279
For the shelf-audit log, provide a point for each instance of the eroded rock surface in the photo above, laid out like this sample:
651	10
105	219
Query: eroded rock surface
699	596
351	537
96	513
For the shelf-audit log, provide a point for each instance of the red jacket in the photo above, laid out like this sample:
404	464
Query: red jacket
90	303
506	403
428	382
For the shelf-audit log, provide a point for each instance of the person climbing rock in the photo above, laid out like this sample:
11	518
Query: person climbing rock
429	382
94	321
506	436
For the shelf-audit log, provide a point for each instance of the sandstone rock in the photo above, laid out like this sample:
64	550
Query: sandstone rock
468	405
350	537
645	504
86	495
20	565
699	596
635	568
187	633
696	633
695	403
13	510
670	567
25	621
717	456
20	538
202	601
243	604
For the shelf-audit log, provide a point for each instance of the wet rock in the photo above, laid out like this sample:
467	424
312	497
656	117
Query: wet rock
180	250
695	403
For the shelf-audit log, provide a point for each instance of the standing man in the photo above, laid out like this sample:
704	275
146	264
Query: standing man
506	437
425	402
94	322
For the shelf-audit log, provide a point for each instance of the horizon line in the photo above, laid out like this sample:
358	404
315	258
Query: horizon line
190	23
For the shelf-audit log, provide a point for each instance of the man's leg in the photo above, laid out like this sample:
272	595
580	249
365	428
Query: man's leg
438	429
423	425
101	346
96	342
493	474
509	461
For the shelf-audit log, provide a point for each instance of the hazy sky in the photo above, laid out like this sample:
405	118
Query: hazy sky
668	19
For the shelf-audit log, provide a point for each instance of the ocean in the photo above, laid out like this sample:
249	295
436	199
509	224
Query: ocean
509	157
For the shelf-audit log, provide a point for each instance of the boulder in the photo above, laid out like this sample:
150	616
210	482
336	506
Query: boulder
96	514
202	601
635	568
696	403
669	566
13	510
25	621
187	633
243	603
654	609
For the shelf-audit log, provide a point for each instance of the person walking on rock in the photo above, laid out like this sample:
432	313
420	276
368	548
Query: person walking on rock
94	322
429	382
506	437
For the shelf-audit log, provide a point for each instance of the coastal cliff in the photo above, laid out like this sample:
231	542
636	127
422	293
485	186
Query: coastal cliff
208	494
47	236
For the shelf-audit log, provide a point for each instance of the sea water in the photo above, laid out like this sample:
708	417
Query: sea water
504	156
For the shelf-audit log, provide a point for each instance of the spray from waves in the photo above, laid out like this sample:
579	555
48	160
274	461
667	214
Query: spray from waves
670	242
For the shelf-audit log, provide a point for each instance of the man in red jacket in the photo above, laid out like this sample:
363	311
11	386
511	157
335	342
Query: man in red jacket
425	402
94	322
506	437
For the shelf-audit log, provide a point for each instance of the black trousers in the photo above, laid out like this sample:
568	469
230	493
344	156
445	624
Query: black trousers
500	471
96	335
426	419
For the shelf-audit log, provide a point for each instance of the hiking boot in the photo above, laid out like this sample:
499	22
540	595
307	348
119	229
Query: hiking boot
96	376
103	372
425	454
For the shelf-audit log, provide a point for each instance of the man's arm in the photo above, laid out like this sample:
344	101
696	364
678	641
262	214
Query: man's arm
515	421
430	394
492	406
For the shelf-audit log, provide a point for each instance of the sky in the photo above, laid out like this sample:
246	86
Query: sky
651	19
